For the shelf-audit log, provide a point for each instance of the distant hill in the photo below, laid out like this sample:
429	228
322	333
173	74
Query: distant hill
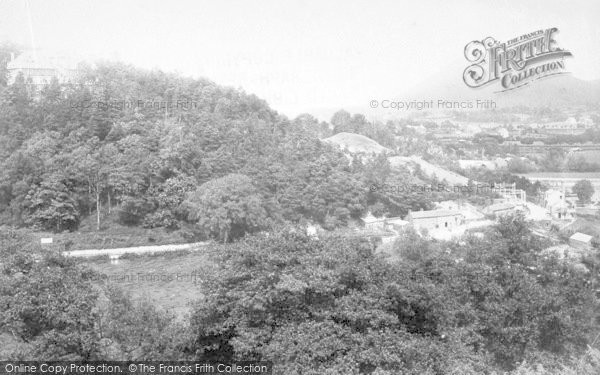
559	91
356	143
555	91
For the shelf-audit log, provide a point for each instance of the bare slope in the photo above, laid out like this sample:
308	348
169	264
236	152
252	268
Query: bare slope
356	143
430	169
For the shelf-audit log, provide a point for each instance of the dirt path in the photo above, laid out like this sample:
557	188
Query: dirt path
134	250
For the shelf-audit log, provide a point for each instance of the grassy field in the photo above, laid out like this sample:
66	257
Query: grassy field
589	225
589	156
170	281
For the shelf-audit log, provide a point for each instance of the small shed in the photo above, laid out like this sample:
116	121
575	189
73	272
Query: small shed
580	240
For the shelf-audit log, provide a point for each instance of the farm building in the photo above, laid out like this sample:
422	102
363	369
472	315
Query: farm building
435	219
373	223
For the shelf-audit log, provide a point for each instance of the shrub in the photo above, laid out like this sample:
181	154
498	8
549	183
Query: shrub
132	211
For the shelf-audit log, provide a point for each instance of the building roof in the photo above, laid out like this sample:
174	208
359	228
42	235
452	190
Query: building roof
372	219
581	237
396	220
433	213
390	220
561	175
40	60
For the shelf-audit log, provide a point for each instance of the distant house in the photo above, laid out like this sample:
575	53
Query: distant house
553	197
570	126
447	205
565	180
481	163
435	219
373	223
503	132
419	129
312	230
388	239
556	203
580	240
474	163
468	211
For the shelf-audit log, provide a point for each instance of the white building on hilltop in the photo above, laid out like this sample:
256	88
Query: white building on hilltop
39	69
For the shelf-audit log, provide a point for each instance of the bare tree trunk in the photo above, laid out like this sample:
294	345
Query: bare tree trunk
89	195
97	209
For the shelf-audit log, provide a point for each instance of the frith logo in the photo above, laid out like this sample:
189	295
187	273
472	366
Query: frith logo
515	63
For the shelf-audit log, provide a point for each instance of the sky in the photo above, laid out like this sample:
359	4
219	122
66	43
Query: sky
300	55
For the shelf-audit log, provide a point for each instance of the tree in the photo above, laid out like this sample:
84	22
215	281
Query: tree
514	234
554	159
51	206
137	330
46	301
227	208
313	307
584	190
95	165
342	122
518	165
54	308
377	170
167	198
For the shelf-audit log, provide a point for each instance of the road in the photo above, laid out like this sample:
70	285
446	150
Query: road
134	250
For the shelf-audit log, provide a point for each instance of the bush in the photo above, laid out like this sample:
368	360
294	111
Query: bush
227	208
133	210
161	218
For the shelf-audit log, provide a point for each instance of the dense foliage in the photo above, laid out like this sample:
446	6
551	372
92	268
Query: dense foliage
333	306
240	173
141	143
327	305
584	190
51	307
